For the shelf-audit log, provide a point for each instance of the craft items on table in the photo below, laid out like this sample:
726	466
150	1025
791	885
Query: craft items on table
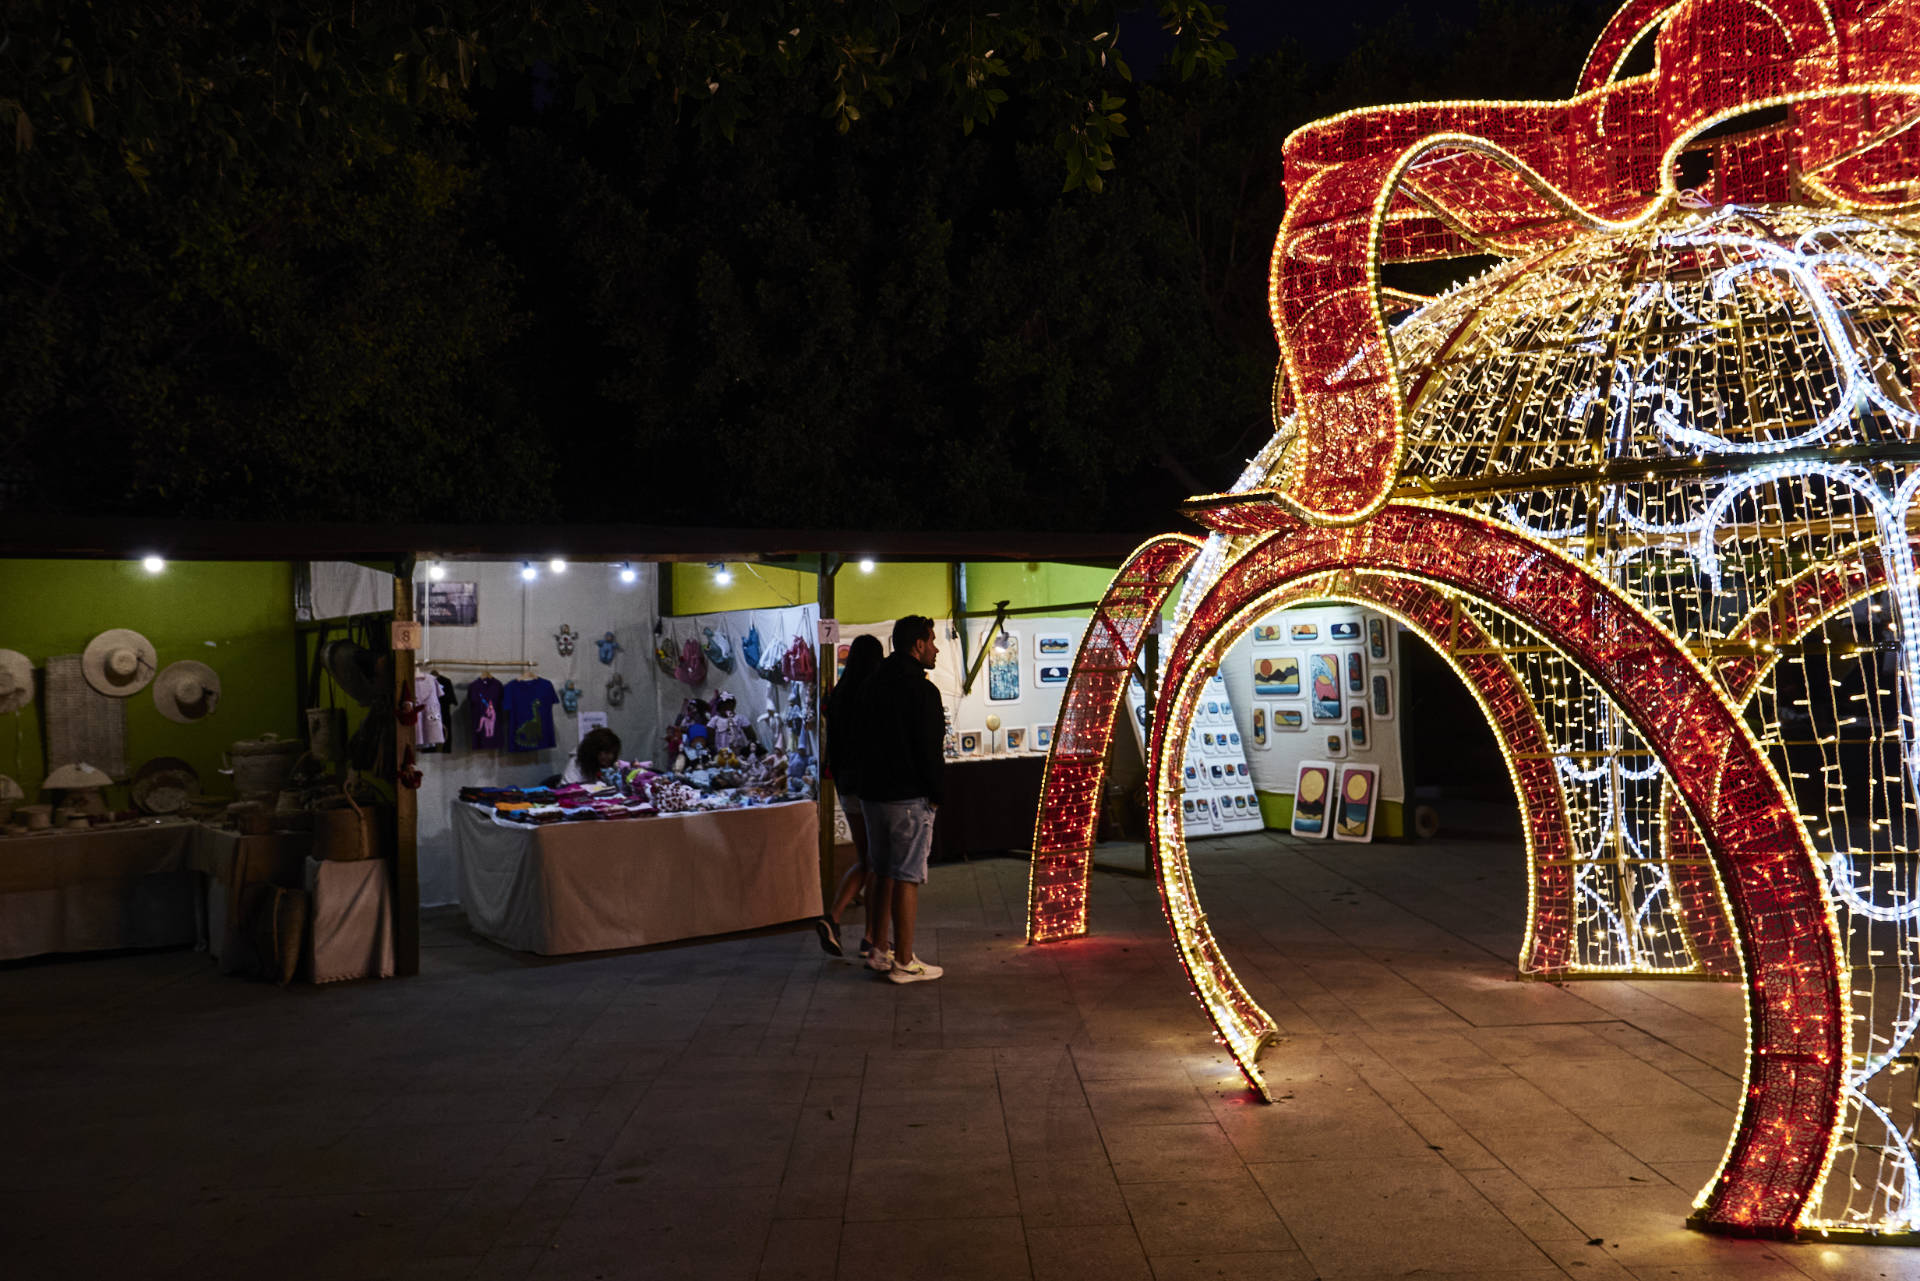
82	799
16	681
186	691
164	785
119	662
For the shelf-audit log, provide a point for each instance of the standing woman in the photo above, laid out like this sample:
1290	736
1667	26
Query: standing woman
843	741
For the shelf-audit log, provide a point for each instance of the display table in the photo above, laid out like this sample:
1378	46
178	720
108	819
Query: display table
589	886
990	805
97	889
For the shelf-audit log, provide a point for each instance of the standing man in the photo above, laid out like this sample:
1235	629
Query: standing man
901	771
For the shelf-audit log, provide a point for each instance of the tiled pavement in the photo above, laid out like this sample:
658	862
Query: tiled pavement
748	1108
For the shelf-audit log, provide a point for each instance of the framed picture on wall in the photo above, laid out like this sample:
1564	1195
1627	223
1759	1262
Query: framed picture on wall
1347	631
1312	790
1305	631
1356	672
1379	639
1289	718
447	604
1259	726
1043	738
1383	696
1017	738
1336	744
970	740
1003	668
1276	675
1267	634
1359	795
1052	674
1057	646
1357	726
1325	674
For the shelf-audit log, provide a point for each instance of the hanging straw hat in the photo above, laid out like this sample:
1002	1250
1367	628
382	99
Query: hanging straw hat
186	691
355	669
119	662
16	681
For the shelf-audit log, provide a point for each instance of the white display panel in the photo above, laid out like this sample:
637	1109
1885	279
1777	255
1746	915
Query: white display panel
1219	797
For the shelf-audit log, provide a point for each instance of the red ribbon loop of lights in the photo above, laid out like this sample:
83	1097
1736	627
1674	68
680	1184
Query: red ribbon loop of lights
1811	101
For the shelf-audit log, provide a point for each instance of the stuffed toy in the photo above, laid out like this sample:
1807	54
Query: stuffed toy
719	650
725	724
608	648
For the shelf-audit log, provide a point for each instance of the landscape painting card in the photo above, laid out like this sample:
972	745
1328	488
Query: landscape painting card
1017	737
1306	631
1053	673
1356	672
1358	796
1312	790
1347	631
1268	634
1325	670
1382	696
1276	675
1043	738
1057	646
1336	744
1260	726
1379	639
1289	718
1357	726
1003	669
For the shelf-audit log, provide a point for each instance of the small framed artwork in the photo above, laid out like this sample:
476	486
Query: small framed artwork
970	740
1289	718
1259	726
1379	639
1305	631
1057	646
1266	634
1276	675
1052	674
1312	790
1382	696
1357	726
1043	738
447	604
1349	631
1017	737
1356	672
1003	669
1325	669
1336	744
1359	793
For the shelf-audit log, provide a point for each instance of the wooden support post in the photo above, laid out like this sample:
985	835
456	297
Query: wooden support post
406	801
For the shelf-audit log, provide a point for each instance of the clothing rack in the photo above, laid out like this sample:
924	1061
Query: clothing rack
472	662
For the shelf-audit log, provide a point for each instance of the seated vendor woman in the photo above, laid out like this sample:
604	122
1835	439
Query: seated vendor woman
598	750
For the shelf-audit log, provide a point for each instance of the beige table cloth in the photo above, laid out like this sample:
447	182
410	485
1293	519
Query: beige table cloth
594	885
96	890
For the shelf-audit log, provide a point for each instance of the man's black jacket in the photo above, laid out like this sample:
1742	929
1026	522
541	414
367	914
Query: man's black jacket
903	730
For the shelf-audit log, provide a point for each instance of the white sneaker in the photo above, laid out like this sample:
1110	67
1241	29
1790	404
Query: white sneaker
914	970
880	959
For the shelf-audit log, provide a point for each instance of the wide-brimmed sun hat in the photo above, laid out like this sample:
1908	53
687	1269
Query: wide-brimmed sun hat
16	680
186	691
119	662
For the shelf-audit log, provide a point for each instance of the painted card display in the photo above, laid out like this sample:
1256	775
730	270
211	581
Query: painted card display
1336	744
1043	738
1356	672
1289	718
1017	737
1325	669
970	742
1053	645
1306	631
1003	669
1382	696
1379	639
1359	793
1347	631
1276	675
1311	793
1357	726
1050	674
1259	726
1267	634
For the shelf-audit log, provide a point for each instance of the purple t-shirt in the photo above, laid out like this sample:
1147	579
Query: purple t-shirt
485	701
529	714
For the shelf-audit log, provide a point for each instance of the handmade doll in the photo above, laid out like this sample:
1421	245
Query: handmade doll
725	725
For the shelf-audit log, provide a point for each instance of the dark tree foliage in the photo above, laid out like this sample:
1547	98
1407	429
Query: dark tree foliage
261	264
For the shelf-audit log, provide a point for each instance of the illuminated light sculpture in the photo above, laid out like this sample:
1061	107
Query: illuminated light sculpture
1648	485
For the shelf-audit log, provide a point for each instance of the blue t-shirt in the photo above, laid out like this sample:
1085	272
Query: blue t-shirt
484	698
529	708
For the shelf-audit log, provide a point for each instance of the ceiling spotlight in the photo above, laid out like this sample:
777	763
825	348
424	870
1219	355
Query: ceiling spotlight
436	572
557	565
866	564
528	572
153	564
628	574
723	576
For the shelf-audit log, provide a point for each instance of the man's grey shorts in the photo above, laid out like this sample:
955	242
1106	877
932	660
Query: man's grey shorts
899	838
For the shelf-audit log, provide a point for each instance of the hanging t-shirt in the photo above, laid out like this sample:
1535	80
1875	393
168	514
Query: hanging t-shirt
428	729
486	699
529	712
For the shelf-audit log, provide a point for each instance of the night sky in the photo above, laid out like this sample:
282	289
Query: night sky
1324	30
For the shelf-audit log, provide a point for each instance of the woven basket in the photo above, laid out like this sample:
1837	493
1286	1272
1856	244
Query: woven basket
345	835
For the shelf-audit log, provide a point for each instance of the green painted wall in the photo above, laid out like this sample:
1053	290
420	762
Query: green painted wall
890	589
236	617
